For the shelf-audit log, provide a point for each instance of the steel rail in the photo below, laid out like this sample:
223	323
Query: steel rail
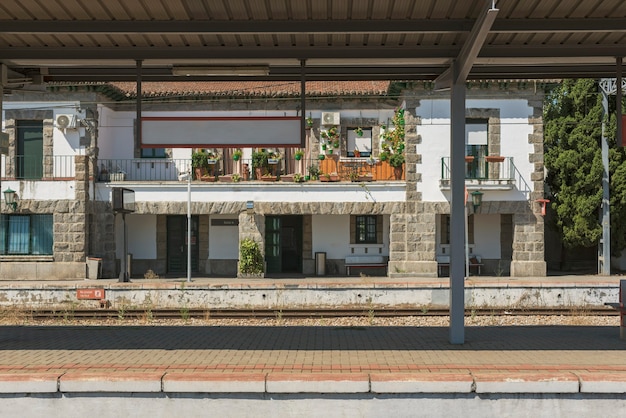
121	313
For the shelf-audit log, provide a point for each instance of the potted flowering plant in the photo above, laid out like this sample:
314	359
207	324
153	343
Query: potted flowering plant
237	154
393	144
298	154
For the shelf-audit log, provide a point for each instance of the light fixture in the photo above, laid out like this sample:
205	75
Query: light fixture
544	203
246	70
9	198
250	207
477	199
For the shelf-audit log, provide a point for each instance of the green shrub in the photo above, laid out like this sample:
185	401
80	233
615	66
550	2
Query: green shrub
250	257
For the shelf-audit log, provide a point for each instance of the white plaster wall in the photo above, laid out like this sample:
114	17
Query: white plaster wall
224	240
41	190
142	240
487	236
331	234
435	133
259	192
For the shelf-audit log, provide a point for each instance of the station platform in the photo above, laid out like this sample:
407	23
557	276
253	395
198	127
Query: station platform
333	371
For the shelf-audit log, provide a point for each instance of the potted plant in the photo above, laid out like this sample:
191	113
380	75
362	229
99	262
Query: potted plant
250	258
273	157
309	122
298	154
393	144
359	131
259	163
237	154
321	157
357	153
298	178
199	163
314	172
236	178
469	158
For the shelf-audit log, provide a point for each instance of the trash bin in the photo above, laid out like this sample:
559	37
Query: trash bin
320	264
94	268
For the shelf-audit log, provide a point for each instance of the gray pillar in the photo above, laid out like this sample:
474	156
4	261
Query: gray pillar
604	258
457	211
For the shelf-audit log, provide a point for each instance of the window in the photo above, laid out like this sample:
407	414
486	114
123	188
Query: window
26	234
444	230
362	143
366	229
153	153
476	145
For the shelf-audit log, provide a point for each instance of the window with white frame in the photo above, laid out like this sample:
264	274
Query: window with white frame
359	139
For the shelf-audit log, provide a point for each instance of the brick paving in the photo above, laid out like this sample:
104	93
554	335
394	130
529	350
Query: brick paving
187	349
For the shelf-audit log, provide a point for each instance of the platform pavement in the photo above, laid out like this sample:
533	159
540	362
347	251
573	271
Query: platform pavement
376	359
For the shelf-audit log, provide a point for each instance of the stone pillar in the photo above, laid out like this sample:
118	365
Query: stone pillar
528	246
528	236
252	226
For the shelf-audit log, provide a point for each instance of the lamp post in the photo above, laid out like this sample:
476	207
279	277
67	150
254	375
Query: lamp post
187	176
477	199
9	198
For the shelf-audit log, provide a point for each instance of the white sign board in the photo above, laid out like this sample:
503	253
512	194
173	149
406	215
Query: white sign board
206	132
4	143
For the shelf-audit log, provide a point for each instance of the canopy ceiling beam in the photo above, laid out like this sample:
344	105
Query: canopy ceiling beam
471	48
340	26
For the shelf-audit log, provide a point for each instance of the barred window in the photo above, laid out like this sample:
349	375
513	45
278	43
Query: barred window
26	234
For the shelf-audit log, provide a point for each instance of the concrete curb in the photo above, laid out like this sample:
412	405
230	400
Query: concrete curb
111	382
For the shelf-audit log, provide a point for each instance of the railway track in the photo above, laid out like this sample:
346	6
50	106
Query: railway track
43	314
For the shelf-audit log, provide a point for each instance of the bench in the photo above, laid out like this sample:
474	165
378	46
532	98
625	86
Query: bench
364	261
443	262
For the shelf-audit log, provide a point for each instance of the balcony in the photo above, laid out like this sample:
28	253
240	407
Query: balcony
500	174
39	168
332	168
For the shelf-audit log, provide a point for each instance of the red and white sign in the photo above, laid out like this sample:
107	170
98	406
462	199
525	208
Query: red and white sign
95	294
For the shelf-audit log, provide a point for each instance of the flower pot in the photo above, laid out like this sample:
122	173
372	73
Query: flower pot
469	158
397	173
494	158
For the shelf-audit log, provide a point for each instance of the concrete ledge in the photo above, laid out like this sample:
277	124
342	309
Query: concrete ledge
421	383
29	382
214	382
318	383
602	382
110	382
526	383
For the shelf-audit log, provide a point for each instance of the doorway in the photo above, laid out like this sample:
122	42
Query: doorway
177	244
29	149
283	244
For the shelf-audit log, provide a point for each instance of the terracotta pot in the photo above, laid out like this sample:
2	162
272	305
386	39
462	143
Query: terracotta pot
494	158
397	173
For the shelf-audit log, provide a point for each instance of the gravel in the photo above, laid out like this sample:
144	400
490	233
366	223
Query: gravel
8	318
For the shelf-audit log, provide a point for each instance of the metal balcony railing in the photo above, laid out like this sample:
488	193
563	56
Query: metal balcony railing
482	170
37	167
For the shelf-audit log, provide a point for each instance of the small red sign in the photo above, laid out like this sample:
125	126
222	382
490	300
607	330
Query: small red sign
97	294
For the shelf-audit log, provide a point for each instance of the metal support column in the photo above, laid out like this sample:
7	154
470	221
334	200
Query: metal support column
604	258
457	211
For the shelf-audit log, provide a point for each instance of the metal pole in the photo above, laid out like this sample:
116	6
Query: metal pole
467	273
457	231
124	261
189	226
604	258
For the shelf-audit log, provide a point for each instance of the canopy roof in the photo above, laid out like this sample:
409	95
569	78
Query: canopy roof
174	40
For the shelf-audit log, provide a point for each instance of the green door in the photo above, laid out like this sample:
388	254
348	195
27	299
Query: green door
272	244
29	149
283	244
177	244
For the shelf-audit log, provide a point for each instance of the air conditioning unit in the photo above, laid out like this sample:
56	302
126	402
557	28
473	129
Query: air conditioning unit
66	122
330	118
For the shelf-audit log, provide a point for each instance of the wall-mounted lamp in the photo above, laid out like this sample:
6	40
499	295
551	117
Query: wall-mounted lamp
9	198
250	207
477	199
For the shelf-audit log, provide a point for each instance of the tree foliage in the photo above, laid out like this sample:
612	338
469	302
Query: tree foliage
573	132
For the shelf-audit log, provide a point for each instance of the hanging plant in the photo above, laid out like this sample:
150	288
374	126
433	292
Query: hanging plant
237	154
309	122
321	157
359	131
298	155
336	144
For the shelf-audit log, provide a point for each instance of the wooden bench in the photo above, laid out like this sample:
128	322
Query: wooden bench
443	262
364	261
